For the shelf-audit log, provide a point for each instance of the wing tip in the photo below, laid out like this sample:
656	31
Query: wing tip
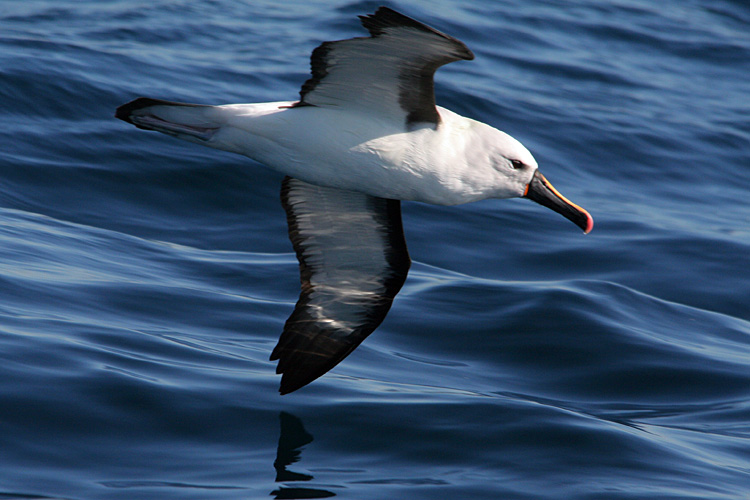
288	385
296	377
125	111
385	17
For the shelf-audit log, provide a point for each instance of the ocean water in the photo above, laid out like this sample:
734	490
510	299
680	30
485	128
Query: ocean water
144	281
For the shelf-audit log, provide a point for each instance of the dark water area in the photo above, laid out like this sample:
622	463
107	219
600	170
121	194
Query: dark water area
144	281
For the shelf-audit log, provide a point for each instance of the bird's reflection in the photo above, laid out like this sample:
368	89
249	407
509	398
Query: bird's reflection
292	438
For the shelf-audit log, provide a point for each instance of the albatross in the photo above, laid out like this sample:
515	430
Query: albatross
364	135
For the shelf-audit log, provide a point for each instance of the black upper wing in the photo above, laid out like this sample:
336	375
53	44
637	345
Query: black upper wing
390	72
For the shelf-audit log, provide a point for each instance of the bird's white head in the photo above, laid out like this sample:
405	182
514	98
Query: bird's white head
516	174
511	165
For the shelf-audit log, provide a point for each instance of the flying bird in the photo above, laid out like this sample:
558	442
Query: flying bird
364	135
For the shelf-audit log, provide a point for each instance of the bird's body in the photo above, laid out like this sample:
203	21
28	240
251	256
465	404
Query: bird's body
347	149
365	134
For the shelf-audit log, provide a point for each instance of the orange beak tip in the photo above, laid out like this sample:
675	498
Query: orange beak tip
589	225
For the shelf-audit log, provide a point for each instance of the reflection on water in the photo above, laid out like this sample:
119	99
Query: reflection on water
292	438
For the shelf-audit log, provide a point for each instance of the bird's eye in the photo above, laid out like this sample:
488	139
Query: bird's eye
517	164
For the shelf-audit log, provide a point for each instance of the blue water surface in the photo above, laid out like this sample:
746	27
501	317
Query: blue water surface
144	281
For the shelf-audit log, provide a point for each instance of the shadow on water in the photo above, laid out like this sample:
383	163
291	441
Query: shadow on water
292	438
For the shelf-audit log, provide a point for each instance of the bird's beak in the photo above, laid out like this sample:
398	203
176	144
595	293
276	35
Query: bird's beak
542	192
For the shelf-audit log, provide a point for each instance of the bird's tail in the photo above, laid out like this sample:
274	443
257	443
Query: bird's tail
190	122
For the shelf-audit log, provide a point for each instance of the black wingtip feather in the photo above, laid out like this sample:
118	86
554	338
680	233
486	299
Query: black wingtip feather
303	359
386	17
125	112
